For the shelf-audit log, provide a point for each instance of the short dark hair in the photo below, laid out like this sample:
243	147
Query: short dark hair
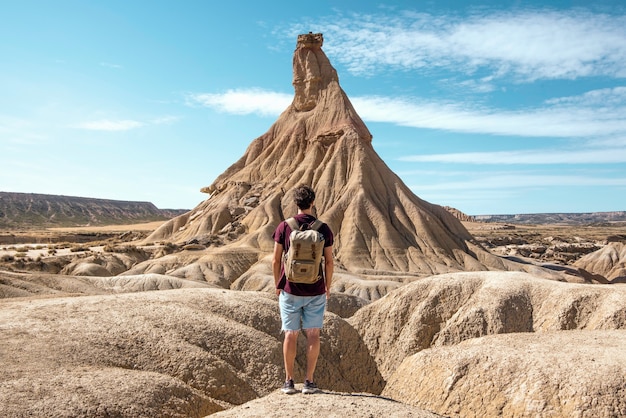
304	196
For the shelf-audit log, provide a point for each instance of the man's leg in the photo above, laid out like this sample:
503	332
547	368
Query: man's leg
312	351
289	352
290	314
312	322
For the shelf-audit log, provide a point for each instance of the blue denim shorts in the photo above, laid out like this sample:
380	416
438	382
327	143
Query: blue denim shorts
304	312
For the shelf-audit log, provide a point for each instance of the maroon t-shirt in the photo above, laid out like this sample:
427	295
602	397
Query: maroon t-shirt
281	236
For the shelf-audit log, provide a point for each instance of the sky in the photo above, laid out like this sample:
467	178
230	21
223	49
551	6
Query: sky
491	107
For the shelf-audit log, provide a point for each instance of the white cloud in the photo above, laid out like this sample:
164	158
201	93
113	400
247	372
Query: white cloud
244	101
110	125
530	45
124	124
615	96
22	131
165	120
110	65
512	181
540	156
548	121
561	120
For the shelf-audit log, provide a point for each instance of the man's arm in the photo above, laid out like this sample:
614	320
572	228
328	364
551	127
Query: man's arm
329	268
276	264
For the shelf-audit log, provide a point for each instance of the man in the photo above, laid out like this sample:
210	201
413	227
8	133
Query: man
302	305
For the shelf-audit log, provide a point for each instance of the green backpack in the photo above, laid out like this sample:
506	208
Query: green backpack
304	257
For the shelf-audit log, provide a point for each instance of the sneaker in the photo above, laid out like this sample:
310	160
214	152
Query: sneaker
289	387
310	387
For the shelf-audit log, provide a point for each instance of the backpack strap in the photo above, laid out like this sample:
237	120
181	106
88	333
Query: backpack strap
316	225
293	224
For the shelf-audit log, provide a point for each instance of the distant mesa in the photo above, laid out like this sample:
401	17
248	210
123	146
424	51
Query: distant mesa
31	210
587	218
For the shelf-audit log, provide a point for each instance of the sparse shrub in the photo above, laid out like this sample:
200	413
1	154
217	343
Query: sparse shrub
77	248
52	251
7	258
166	248
121	249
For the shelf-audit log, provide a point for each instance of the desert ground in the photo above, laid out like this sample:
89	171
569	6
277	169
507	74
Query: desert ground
541	243
152	344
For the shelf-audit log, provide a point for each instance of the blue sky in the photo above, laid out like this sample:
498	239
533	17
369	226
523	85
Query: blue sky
491	107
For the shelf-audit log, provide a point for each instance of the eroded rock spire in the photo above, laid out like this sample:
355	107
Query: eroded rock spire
382	227
312	71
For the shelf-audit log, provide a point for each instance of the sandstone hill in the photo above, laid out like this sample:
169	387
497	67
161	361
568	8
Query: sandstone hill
381	227
30	210
608	262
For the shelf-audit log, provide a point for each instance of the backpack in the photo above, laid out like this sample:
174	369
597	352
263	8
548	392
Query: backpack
304	257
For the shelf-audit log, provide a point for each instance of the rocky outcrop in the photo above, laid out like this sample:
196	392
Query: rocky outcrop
447	309
175	353
608	262
551	374
460	215
37	285
104	264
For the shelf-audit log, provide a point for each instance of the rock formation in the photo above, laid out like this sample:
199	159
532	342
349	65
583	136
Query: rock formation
608	262
460	215
175	353
447	309
553	374
381	227
38	285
